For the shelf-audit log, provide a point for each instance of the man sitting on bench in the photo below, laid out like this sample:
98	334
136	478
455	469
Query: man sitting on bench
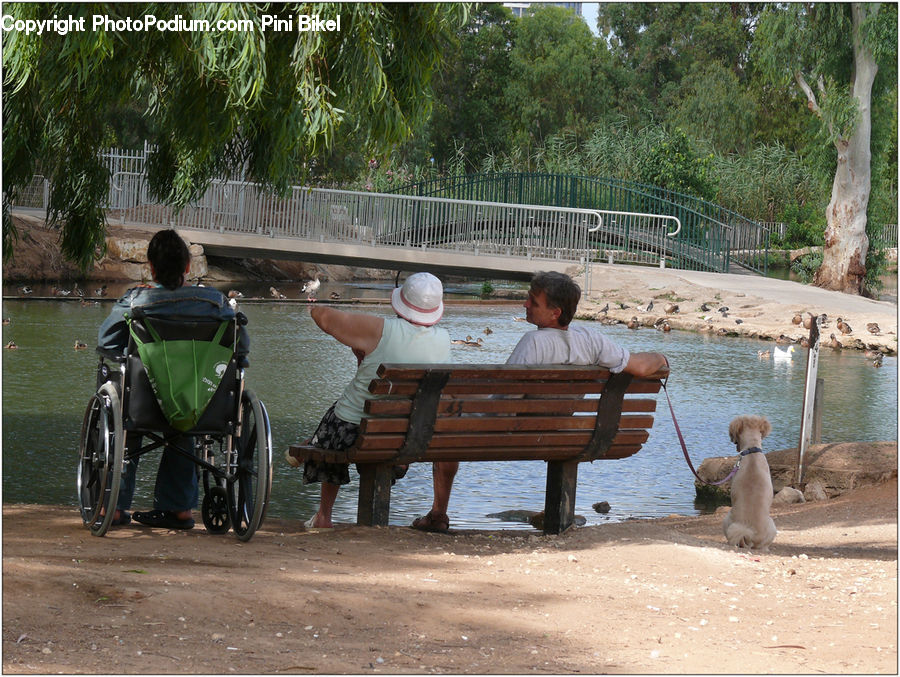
550	306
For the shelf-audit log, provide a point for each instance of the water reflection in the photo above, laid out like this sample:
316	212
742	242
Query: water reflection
298	372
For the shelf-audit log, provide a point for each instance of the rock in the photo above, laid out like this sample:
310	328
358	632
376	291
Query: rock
837	468
515	515
126	249
798	253
601	507
537	520
787	496
713	470
815	492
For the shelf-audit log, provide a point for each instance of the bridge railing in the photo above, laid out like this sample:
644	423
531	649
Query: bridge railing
712	236
376	219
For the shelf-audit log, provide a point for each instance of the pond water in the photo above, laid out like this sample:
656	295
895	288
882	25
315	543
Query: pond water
298	371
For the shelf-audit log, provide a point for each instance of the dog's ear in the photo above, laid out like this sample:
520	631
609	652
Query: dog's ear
734	429
764	426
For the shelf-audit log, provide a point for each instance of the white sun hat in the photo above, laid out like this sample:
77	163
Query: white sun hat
419	300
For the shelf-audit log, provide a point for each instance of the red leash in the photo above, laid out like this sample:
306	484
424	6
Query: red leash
684	446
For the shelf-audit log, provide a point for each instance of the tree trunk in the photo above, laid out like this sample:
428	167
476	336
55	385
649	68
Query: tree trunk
846	244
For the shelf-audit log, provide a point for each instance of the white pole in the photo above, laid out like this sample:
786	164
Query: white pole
806	420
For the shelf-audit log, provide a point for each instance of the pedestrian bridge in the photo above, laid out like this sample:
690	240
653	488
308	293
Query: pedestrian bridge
492	225
395	232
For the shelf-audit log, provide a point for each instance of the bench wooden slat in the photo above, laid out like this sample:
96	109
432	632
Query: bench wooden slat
456	406
513	439
501	423
566	372
488	387
471	454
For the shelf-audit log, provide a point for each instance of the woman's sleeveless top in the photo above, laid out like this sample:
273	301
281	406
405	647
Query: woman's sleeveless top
400	342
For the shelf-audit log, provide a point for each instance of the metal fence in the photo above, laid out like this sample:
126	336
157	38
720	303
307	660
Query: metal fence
889	235
376	219
36	195
712	237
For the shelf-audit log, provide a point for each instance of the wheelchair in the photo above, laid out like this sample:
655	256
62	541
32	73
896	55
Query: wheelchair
231	442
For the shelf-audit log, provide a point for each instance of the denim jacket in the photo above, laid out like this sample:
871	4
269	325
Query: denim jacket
194	302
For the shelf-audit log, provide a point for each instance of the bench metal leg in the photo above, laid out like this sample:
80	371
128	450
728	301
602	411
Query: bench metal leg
374	494
559	501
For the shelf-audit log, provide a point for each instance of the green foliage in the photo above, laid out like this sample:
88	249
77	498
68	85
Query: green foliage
883	198
216	102
766	181
674	164
487	288
713	105
804	227
557	79
876	267
470	114
618	151
806	266
656	45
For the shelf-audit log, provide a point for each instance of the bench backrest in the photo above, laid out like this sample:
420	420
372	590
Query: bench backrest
466	412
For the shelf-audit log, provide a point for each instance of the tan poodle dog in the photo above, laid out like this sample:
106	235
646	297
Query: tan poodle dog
748	524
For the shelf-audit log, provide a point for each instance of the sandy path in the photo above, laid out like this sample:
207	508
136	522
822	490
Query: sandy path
639	596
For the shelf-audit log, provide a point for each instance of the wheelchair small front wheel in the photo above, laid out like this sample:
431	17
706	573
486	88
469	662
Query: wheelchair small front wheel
251	468
101	455
216	517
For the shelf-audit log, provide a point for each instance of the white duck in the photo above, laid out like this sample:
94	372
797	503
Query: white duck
785	353
310	287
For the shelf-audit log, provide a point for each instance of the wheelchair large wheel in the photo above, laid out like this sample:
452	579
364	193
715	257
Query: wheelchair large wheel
101	454
251	463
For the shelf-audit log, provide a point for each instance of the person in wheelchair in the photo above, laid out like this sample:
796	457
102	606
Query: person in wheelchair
176	490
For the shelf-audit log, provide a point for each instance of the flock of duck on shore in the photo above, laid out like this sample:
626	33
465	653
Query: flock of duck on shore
805	320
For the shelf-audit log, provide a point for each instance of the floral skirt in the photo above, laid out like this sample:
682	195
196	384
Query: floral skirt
335	434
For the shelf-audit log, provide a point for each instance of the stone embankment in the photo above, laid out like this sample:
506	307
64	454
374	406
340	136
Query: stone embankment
37	258
829	470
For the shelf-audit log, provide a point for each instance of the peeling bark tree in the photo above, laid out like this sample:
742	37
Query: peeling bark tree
809	43
844	264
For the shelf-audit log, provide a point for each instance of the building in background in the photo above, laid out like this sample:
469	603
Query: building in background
521	8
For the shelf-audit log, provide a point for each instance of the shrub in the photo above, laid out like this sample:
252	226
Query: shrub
674	164
806	266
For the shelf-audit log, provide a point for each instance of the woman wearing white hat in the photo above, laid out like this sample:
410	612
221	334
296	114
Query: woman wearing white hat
409	338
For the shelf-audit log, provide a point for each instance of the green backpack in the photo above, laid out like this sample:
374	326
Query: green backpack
183	373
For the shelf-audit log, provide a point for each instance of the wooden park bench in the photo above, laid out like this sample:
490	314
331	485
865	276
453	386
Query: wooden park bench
487	412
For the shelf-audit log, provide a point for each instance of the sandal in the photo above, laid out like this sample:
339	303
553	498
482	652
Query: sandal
164	519
122	520
434	523
291	461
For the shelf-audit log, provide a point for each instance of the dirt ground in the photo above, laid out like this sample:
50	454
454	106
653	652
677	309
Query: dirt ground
649	596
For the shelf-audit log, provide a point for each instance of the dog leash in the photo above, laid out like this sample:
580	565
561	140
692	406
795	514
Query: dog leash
687	458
